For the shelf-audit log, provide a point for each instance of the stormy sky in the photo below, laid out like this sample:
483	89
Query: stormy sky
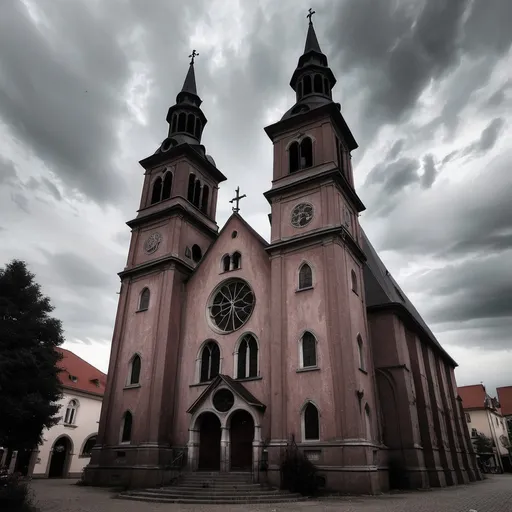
425	86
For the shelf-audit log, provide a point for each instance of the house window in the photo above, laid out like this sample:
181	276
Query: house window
157	191
308	350
135	370
305	277
144	299
468	417
71	412
474	432
311	423
88	446
353	277
210	362
247	357
360	350
126	434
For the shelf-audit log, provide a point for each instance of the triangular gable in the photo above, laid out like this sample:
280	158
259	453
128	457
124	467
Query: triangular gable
237	387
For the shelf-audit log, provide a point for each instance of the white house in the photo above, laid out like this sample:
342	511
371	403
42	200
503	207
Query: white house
483	416
66	447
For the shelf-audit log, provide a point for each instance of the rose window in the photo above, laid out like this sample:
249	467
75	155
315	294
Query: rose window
232	305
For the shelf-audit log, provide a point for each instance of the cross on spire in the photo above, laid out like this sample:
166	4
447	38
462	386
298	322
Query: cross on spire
236	200
310	15
192	56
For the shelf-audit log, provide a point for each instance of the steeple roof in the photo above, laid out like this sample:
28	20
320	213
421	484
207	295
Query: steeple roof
189	85
311	40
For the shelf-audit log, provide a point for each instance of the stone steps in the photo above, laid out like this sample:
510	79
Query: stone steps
213	488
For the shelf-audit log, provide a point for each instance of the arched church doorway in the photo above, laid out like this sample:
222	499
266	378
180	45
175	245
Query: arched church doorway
209	442
60	458
242	435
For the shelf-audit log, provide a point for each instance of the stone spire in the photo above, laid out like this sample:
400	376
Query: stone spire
311	39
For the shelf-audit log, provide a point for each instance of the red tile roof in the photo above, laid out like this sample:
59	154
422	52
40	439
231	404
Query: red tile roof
473	397
505	398
80	375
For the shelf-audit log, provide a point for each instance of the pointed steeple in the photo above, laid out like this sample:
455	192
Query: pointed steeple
311	40
189	85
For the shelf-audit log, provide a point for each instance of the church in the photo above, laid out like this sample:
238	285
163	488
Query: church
228	349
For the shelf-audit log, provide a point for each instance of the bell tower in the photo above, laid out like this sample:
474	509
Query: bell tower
314	223
174	226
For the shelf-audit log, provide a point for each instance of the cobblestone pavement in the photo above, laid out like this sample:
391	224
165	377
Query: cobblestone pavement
492	495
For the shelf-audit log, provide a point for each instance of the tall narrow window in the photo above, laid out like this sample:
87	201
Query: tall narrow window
197	193
157	191
182	121
191	187
226	262
247	363
126	434
71	412
326	87
144	299
360	350
353	278
237	260
210	362
197	131
204	200
190	124
173	124
339	154
307	84
306	153
166	190
308	350
368	424
293	152
135	370
305	277
299	90
311	423
318	84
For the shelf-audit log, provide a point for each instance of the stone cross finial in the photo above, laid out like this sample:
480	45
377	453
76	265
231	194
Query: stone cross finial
192	56
236	200
310	15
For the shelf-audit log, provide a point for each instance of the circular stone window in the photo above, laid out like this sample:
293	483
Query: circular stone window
231	305
302	215
223	400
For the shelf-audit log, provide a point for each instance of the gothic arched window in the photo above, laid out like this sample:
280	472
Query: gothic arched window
305	277
326	87
182	121
204	199
197	131
353	278
126	433
299	90
210	362
190	124
308	350
197	193
144	299
293	151
226	262
173	124
311	423
135	370
71	412
191	185
237	260
307	85
306	153
318	85
166	189
360	351
247	357
157	191
88	446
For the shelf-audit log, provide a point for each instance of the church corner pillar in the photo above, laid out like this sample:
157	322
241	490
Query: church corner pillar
225	450
193	449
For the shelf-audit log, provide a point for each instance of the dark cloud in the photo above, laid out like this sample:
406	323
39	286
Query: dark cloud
7	171
499	96
395	149
429	171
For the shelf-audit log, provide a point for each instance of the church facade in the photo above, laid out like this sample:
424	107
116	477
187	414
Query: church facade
228	349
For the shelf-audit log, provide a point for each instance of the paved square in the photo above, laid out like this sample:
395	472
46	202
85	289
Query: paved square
492	495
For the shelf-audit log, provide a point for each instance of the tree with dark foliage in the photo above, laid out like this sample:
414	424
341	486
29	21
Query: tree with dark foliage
29	385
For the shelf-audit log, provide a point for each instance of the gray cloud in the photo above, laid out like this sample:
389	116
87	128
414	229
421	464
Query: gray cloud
395	149
429	171
20	201
7	171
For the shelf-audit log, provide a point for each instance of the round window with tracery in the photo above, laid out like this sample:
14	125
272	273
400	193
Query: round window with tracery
231	305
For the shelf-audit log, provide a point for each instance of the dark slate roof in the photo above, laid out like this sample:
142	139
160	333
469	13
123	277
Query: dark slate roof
382	290
311	41
237	387
189	85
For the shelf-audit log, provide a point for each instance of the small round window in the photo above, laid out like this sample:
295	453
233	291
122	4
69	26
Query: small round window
223	400
231	305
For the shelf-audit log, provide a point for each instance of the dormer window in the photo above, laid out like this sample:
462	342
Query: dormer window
72	378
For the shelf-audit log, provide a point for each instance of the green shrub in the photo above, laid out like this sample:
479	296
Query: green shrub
15	496
298	474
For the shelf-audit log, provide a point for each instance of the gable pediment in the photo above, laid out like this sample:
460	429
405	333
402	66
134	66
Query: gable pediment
238	389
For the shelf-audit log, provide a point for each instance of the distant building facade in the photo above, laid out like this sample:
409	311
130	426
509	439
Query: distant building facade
228	349
66	447
483	415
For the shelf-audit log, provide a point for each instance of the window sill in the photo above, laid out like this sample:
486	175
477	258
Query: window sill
141	310
132	386
230	270
310	442
363	371
248	379
304	289
308	369
70	425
